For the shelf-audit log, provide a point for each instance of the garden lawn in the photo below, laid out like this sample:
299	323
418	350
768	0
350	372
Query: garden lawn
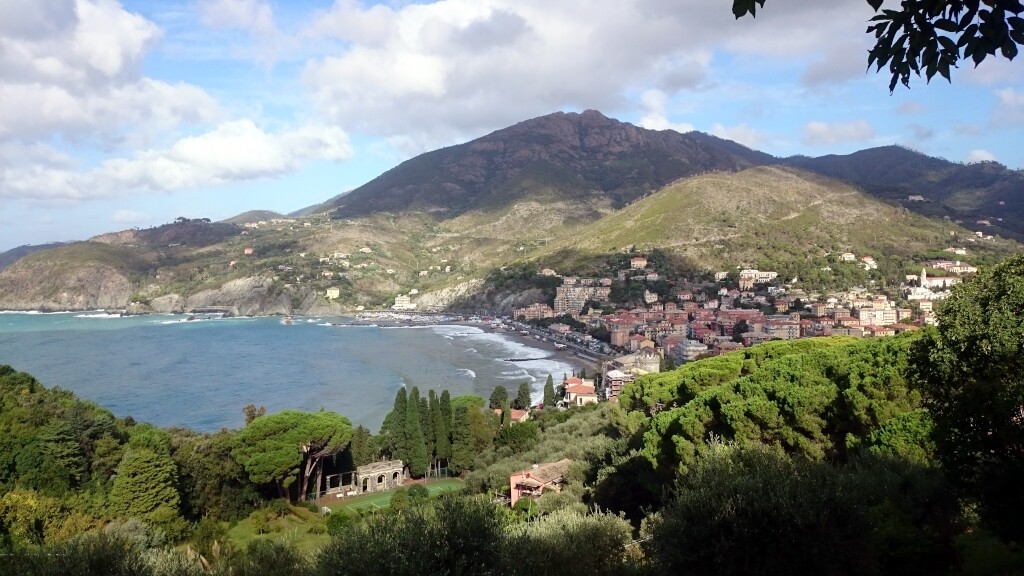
377	500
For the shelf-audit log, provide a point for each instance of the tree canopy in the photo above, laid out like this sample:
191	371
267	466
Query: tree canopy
971	369
286	447
930	37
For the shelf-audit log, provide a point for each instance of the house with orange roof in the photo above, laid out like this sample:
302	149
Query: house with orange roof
517	416
533	482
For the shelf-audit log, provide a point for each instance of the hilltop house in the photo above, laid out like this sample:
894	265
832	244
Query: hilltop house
532	483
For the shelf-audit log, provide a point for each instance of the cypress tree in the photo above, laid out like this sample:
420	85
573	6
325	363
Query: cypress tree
549	392
522	401
583	373
441	443
426	425
506	412
396	440
418	458
498	397
362	446
446	412
462	442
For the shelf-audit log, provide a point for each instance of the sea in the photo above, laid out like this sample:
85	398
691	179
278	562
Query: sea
199	373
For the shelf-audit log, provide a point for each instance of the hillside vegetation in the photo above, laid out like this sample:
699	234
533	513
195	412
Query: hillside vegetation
762	214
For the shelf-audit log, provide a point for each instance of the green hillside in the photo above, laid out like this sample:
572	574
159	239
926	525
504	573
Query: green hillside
768	215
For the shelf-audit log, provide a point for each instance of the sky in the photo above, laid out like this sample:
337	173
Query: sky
129	114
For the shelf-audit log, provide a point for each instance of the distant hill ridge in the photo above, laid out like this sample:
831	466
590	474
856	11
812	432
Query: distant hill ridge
252	216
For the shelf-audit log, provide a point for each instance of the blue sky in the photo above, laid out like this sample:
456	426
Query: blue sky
121	114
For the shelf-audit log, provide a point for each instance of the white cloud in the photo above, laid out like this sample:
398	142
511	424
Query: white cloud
980	156
1010	109
78	75
749	137
233	151
655	103
466	66
823	133
123	216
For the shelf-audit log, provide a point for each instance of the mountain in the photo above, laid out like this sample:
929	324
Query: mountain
14	254
971	193
252	216
563	190
580	156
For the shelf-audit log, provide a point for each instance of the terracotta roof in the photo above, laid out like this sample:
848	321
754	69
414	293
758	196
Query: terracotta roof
580	389
549	473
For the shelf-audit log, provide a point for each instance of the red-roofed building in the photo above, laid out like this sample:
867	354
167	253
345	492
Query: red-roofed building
518	416
532	483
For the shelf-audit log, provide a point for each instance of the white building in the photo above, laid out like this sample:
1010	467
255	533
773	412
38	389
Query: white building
403	302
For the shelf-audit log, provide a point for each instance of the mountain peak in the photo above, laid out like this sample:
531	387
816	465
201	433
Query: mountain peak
566	153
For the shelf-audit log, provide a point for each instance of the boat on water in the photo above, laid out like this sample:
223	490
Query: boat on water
560	346
287	321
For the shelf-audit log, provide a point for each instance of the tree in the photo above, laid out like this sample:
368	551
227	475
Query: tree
289	447
251	412
362	447
549	392
463	450
394	438
446	410
506	413
212	484
522	401
442	443
931	36
427	425
498	397
520	437
145	487
418	459
972	371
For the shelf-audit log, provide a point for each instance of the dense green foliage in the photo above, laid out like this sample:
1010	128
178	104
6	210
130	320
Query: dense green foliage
812	398
972	371
751	511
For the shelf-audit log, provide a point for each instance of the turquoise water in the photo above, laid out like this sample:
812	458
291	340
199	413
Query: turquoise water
200	374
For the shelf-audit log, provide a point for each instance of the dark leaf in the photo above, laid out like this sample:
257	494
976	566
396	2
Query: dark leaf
875	4
1009	49
1016	22
945	25
968	17
1017	36
978	56
947	44
944	70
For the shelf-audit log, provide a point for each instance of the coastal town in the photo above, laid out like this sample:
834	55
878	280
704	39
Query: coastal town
729	312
